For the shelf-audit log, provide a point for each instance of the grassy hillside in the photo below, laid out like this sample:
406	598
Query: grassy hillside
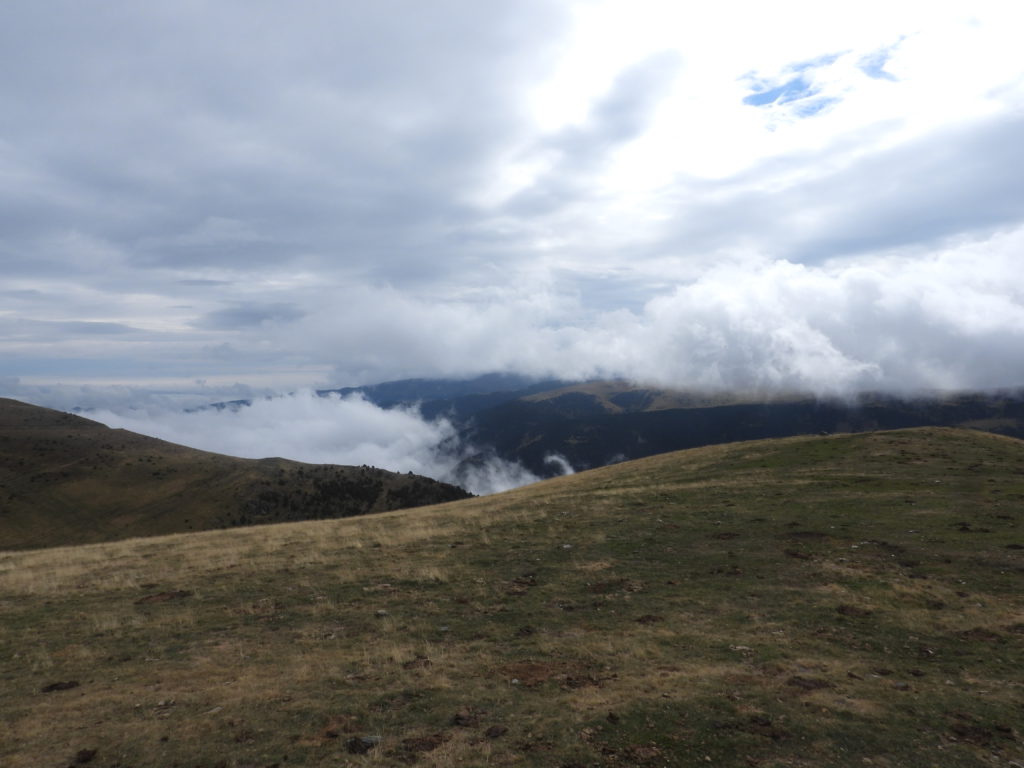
841	601
69	480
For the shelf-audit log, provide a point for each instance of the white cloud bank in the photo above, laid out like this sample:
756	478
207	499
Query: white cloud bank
901	321
326	430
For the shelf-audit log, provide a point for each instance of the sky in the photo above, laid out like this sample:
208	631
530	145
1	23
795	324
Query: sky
201	200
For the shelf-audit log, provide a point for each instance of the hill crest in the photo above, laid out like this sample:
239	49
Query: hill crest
65	479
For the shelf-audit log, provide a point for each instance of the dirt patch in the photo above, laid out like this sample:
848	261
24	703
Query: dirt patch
595	565
531	674
466	718
757	724
641	753
969	729
62	686
649	618
163	597
804	684
360	745
338	725
83	756
762	725
396	702
893	549
521	584
420	662
980	634
617	585
424	743
967	528
853	611
795	553
726	570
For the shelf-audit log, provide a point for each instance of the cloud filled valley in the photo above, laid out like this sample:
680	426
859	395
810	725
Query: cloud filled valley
327	430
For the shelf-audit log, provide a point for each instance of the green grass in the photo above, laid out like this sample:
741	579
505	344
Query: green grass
842	601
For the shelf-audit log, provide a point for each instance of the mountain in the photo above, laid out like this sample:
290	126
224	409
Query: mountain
498	386
843	601
437	395
67	480
595	423
599	423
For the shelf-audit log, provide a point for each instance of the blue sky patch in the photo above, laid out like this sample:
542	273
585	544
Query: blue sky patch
797	90
873	65
792	90
820	61
811	107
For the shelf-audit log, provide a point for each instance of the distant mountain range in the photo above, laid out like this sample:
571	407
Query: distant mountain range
67	480
600	423
595	423
436	396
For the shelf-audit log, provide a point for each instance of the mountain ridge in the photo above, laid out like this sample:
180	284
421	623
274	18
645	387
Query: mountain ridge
65	479
597	422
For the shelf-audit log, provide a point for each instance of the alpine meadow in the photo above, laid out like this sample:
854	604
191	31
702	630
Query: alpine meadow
577	384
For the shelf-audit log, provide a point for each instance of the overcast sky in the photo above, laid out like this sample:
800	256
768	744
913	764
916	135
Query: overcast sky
247	195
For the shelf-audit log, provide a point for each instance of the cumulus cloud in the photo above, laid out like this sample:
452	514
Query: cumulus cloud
343	193
326	430
900	321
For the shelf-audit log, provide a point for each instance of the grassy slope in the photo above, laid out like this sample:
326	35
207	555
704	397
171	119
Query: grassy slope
65	479
842	601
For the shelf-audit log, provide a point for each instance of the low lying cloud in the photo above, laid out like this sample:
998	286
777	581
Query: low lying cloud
561	463
328	430
126	399
902	321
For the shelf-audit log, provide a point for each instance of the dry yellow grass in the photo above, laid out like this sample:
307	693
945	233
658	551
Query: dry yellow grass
655	613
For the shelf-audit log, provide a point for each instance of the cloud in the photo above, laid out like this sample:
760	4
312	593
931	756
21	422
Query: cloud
572	156
29	329
326	430
560	462
246	315
900	322
873	64
341	193
810	207
152	397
